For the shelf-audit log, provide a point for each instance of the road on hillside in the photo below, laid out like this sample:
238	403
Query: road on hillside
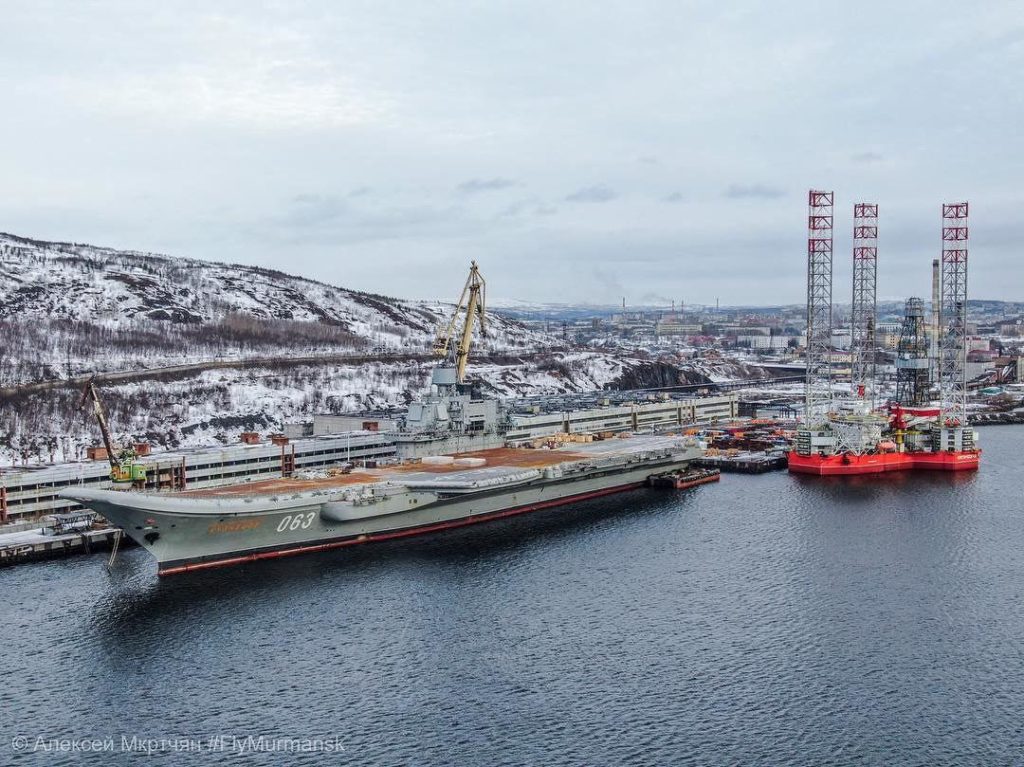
145	374
191	368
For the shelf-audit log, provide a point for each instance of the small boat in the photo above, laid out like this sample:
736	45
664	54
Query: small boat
681	480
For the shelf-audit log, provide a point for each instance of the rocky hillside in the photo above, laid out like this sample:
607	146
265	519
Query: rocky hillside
69	308
60	280
212	407
274	348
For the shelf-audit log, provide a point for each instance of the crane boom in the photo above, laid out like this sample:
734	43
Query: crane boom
90	393
122	462
454	345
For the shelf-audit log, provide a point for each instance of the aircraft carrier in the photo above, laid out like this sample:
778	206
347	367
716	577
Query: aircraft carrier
453	465
272	518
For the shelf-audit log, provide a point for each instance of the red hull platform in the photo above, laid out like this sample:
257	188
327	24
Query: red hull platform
828	465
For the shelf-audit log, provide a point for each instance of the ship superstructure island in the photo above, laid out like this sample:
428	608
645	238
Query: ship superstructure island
855	433
452	466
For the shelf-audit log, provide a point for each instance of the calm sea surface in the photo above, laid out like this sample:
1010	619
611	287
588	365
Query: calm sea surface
763	620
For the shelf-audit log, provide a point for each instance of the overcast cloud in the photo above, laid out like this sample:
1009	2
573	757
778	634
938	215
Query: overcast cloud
383	145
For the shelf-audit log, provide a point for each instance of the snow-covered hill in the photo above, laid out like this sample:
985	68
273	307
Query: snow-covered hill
212	407
69	309
68	281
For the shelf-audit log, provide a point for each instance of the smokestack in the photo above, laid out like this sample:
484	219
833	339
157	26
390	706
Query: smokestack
933	344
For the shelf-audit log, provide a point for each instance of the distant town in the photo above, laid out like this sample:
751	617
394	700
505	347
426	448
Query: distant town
768	334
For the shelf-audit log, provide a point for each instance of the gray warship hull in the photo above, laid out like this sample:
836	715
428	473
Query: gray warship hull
224	526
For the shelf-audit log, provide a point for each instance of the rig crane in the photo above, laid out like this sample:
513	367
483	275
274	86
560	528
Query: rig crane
452	344
122	463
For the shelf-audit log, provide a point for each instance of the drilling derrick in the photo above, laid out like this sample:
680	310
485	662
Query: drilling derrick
865	292
815	436
912	357
950	433
953	314
818	395
855	428
933	324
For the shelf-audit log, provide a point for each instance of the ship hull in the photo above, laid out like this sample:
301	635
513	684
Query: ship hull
183	536
842	464
173	568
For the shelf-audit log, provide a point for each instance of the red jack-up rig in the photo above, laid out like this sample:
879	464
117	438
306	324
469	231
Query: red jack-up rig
850	435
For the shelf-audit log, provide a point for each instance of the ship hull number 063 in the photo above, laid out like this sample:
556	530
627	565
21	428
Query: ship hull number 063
296	522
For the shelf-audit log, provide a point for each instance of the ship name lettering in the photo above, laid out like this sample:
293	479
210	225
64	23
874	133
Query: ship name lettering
234	526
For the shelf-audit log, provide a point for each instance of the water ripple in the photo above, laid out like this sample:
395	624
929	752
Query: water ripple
764	620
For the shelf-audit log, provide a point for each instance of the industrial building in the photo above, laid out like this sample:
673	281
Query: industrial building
635	416
29	493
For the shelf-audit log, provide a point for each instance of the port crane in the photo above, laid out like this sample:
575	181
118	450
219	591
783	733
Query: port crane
453	345
122	463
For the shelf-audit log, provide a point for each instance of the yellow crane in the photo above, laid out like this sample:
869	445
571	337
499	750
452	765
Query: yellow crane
472	301
122	463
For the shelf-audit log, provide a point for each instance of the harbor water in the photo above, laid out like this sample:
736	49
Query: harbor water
766	619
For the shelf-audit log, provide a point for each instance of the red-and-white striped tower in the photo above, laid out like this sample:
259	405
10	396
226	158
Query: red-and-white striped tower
818	395
865	296
953	315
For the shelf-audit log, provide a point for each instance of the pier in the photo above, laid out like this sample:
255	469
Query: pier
32	544
744	462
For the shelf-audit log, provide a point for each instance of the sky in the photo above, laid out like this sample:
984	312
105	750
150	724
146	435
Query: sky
584	152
